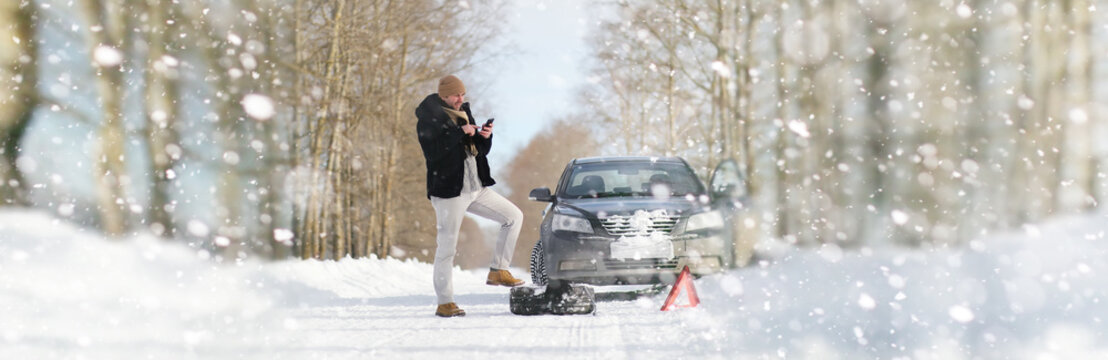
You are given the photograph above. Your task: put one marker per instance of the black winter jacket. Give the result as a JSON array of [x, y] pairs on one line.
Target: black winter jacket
[[444, 150]]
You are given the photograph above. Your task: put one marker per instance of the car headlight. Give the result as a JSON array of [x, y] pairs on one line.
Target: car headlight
[[571, 223], [706, 220]]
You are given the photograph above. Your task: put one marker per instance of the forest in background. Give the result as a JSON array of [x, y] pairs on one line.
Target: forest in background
[[280, 128], [868, 121], [261, 127]]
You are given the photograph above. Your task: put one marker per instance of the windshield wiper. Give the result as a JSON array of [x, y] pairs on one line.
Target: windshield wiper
[[620, 194]]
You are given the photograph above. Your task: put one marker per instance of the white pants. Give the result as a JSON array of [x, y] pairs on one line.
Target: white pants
[[449, 214]]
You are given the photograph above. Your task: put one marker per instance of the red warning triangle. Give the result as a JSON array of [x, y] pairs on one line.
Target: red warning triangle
[[684, 282]]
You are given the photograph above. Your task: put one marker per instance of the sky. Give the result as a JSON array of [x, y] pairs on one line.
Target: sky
[[539, 82]]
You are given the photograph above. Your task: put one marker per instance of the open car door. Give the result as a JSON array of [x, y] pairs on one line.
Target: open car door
[[728, 182]]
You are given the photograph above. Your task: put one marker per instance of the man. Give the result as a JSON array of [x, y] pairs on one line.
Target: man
[[455, 150]]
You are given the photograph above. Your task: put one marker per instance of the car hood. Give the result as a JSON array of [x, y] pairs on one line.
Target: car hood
[[596, 208]]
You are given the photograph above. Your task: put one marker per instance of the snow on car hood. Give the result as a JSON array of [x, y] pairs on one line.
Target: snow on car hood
[[605, 207]]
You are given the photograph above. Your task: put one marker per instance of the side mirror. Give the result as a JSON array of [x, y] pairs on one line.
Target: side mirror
[[541, 194]]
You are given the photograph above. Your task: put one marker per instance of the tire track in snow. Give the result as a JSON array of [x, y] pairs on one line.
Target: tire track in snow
[[392, 321]]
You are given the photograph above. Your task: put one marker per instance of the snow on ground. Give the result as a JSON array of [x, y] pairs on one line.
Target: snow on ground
[[69, 294], [65, 293]]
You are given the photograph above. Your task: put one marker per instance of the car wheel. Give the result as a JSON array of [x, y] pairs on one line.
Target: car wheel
[[538, 265]]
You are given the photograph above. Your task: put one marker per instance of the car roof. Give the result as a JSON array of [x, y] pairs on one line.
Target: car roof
[[605, 159]]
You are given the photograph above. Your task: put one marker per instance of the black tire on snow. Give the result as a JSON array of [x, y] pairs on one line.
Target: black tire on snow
[[575, 299], [524, 301], [538, 265]]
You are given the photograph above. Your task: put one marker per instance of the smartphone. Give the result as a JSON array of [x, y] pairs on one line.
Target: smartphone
[[487, 123]]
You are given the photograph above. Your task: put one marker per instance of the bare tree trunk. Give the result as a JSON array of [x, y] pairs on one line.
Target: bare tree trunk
[[161, 117], [310, 232], [109, 54], [1099, 102], [390, 168], [851, 120], [878, 135], [335, 198], [766, 180], [790, 212], [316, 212], [337, 172], [1076, 185], [359, 168], [321, 192], [18, 79], [998, 84], [300, 241], [277, 158], [671, 106]]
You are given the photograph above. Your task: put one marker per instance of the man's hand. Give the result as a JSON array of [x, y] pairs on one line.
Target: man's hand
[[469, 129], [486, 131]]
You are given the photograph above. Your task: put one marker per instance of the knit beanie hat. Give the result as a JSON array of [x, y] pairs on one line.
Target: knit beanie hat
[[451, 85]]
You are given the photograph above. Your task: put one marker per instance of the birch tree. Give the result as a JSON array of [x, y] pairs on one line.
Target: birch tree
[[108, 40], [926, 123], [161, 115], [364, 66], [18, 77]]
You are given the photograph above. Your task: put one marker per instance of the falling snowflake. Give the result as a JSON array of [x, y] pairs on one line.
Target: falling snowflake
[[1078, 116], [231, 157], [964, 11], [197, 228], [961, 314], [899, 217], [970, 166], [721, 69], [866, 302], [283, 236], [896, 281], [107, 56], [66, 209], [800, 128], [1025, 102], [259, 107]]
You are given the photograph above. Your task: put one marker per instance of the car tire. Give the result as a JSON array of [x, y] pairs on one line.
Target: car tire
[[538, 265]]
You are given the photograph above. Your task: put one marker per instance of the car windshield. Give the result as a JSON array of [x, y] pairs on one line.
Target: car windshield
[[631, 179]]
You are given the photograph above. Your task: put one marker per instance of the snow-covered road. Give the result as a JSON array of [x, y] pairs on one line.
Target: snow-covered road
[[398, 321], [1036, 293]]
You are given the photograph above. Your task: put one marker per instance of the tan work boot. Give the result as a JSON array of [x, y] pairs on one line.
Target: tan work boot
[[502, 277], [449, 310]]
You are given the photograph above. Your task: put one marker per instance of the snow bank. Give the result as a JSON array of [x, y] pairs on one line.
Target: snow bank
[[65, 293], [1038, 293]]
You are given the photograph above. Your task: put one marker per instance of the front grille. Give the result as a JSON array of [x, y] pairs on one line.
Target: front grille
[[629, 264], [633, 225]]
